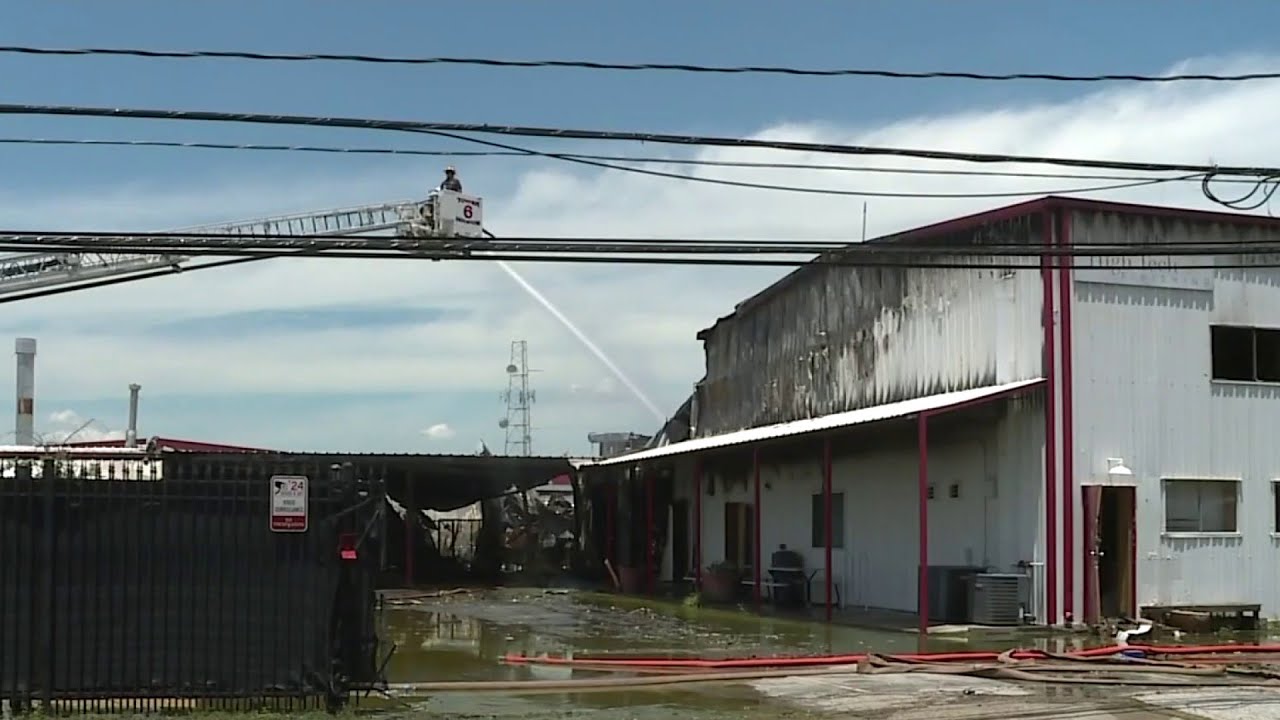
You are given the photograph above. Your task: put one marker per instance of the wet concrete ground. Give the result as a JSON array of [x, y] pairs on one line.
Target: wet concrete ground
[[464, 637]]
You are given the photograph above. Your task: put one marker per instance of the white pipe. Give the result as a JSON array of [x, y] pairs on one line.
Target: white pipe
[[131, 435], [25, 422]]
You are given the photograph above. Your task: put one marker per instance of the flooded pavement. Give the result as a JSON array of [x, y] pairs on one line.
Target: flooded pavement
[[464, 637]]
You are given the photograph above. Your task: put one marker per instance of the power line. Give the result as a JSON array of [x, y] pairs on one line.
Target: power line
[[517, 151], [642, 67], [790, 188], [212, 243], [638, 159], [629, 136], [835, 259]]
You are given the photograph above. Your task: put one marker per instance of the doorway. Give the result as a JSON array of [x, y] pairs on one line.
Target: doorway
[[1110, 547], [680, 540], [739, 534]]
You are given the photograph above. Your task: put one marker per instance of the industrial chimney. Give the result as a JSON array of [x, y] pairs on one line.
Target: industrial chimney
[[25, 425], [131, 435]]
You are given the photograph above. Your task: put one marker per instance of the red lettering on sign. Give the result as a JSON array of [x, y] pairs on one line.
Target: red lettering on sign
[[468, 211]]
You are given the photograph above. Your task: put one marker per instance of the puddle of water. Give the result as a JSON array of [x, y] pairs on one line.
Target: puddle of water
[[465, 637]]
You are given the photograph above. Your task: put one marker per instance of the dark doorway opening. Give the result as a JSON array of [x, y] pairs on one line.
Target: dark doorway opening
[[739, 534], [679, 540], [1110, 552]]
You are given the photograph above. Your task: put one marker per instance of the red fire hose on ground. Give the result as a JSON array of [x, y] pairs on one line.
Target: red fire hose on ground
[[852, 659], [1119, 665]]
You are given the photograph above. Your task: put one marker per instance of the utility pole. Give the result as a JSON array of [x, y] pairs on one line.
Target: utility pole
[[519, 399]]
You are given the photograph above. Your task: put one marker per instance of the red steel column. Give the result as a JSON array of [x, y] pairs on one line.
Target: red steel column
[[651, 570], [922, 481], [697, 523], [826, 509], [1050, 431], [755, 471], [610, 529], [1068, 441]]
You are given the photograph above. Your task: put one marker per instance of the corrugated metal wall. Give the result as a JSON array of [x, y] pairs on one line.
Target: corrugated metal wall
[[996, 521], [831, 338], [1143, 393]]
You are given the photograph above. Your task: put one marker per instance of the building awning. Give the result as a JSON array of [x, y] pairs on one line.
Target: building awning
[[888, 411]]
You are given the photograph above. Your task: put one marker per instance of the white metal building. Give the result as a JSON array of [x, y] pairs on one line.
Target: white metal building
[[1105, 427]]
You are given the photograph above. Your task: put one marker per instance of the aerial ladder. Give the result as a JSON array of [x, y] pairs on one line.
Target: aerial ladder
[[443, 214]]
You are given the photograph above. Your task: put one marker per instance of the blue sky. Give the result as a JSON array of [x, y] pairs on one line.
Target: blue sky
[[365, 356]]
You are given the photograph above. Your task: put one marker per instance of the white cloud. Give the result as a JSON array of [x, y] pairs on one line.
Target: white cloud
[[644, 317], [440, 431], [70, 426]]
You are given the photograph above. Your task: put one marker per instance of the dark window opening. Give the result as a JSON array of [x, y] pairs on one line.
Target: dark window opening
[[1201, 506], [1267, 354], [1245, 354], [1232, 353], [1275, 507], [819, 521]]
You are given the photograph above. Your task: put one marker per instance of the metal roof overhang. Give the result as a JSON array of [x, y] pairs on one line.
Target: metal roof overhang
[[440, 482], [905, 408], [449, 482]]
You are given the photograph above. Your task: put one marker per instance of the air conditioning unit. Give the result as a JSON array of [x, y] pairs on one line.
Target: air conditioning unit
[[949, 595], [997, 598]]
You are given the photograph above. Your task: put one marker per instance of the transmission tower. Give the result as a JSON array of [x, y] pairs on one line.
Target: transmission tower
[[519, 399]]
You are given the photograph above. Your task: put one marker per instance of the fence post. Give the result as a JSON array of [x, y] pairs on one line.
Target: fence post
[[47, 600]]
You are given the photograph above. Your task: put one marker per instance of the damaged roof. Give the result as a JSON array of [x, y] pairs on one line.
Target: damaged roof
[[439, 482], [1010, 212]]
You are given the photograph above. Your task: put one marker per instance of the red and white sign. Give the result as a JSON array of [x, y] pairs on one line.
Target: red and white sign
[[289, 503]]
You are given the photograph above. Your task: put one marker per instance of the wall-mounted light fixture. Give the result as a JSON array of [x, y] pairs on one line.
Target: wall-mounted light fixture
[[1117, 468]]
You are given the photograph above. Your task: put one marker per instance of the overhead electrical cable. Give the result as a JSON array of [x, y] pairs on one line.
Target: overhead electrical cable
[[789, 188], [1209, 172], [835, 259], [827, 258], [641, 67], [193, 243], [627, 136], [637, 159]]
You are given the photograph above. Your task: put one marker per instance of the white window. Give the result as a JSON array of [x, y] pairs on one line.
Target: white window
[[1201, 506]]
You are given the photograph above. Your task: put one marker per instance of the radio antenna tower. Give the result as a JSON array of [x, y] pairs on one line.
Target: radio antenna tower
[[519, 399]]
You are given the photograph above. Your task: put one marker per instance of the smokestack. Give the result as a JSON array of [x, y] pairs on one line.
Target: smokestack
[[25, 425], [131, 435]]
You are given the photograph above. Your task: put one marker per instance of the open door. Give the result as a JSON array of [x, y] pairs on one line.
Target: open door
[[680, 546], [1110, 545], [739, 534]]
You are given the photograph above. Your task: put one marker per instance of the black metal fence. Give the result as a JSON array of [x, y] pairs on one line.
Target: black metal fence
[[149, 584]]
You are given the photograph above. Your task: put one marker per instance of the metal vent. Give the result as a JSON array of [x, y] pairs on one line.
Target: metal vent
[[997, 598]]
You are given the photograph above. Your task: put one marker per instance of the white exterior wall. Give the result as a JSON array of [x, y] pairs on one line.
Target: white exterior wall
[[997, 521], [1142, 392]]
